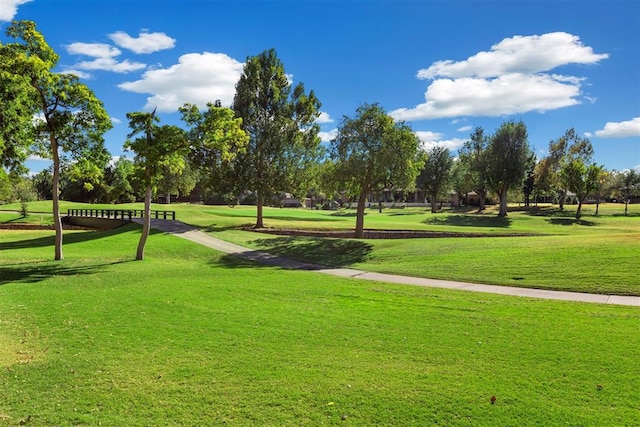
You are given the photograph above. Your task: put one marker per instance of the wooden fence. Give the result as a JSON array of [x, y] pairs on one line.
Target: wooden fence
[[120, 213]]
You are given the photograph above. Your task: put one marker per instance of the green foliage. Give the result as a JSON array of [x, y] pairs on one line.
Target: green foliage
[[507, 158], [435, 177], [583, 180], [473, 157], [216, 138], [562, 151], [160, 150], [280, 122], [71, 119], [371, 153]]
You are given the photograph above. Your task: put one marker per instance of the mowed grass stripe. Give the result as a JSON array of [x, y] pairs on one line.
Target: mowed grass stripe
[[193, 337]]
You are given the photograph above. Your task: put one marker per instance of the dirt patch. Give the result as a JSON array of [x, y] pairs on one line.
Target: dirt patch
[[380, 234]]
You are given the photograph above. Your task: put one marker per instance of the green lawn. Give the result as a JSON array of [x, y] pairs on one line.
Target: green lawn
[[597, 254], [193, 337]]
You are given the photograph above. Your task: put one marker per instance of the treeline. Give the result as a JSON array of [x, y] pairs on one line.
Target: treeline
[[267, 143]]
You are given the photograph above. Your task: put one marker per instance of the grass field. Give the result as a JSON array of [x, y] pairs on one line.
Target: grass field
[[193, 337], [597, 254]]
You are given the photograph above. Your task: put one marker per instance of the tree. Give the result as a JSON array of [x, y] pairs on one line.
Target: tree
[[528, 185], [562, 151], [474, 155], [507, 158], [370, 153], [43, 183], [629, 185], [16, 127], [160, 147], [72, 120], [436, 174], [280, 121], [216, 138], [581, 179], [118, 178]]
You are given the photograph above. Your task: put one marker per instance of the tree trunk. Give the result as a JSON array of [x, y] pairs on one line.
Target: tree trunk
[[579, 210], [146, 224], [503, 202], [434, 201], [597, 206], [562, 199], [57, 221], [482, 196], [259, 214], [362, 200]]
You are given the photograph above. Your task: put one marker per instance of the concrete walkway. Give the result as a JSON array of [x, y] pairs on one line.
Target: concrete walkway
[[187, 232]]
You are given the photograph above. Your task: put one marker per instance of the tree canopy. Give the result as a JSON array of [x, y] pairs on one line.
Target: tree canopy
[[71, 119], [508, 155], [436, 176], [370, 153], [280, 121], [157, 149]]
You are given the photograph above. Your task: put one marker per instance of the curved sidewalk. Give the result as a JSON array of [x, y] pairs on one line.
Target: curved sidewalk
[[190, 233]]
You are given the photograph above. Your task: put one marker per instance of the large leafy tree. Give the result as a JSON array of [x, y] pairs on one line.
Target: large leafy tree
[[582, 179], [562, 151], [216, 138], [16, 128], [508, 155], [72, 119], [436, 174], [157, 149], [474, 155], [370, 153], [280, 121]]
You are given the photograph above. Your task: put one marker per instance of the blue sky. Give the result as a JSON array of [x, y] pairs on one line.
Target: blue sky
[[443, 66]]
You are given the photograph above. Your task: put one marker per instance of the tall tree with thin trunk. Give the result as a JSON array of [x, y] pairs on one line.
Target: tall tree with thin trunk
[[562, 151], [474, 154], [280, 121], [71, 120], [581, 179], [371, 153], [435, 177], [157, 148], [507, 159]]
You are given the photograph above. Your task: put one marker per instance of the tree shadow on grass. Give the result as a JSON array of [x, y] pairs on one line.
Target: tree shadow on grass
[[469, 221], [570, 221], [67, 238], [280, 217], [317, 251], [33, 272]]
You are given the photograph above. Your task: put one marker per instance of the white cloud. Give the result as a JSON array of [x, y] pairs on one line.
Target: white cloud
[[197, 78], [620, 129], [429, 139], [328, 136], [324, 118], [145, 42], [115, 121], [519, 54], [512, 78], [95, 50], [111, 64], [465, 129], [79, 73], [508, 94], [105, 59], [9, 9]]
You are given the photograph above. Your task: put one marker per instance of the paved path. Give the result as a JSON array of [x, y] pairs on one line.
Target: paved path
[[187, 232]]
